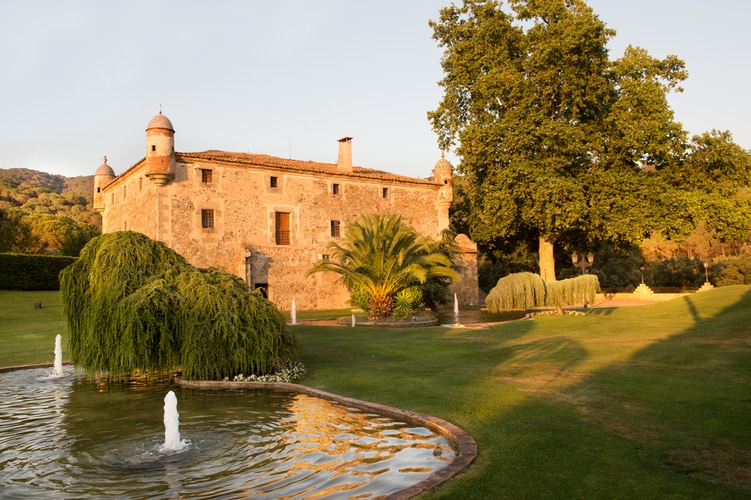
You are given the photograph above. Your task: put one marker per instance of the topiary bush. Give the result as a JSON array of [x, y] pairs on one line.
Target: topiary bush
[[134, 305], [527, 290]]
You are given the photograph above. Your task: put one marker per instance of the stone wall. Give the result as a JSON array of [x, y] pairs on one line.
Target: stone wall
[[244, 200]]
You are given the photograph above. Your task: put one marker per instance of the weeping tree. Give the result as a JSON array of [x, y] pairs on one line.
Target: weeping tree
[[134, 305], [528, 290], [384, 263]]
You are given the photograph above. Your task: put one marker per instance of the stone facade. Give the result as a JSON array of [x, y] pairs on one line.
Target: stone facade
[[267, 219]]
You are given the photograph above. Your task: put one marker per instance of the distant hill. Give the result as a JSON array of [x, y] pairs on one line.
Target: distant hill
[[82, 185], [30, 192]]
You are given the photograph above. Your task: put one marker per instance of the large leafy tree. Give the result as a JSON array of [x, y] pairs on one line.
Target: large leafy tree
[[715, 177], [546, 124], [16, 235], [381, 257]]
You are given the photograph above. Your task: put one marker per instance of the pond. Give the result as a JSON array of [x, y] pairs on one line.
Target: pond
[[71, 437]]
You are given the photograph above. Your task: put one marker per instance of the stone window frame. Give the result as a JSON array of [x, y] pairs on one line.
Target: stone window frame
[[207, 176], [273, 182], [336, 189], [336, 228], [208, 221], [198, 176], [282, 237], [198, 231]]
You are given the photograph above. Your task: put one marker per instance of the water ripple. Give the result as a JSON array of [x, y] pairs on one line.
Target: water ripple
[[73, 438]]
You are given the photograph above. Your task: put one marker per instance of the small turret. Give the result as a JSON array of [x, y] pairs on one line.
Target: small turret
[[160, 150], [443, 173], [102, 178]]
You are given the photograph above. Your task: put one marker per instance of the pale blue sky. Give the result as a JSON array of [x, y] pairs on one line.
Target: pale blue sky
[[81, 79]]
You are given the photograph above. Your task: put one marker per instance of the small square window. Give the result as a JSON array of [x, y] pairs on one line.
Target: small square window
[[207, 175], [324, 256], [336, 227], [385, 193], [273, 182], [207, 219], [335, 189]]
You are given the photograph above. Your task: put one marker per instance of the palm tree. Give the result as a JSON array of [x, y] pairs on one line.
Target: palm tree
[[381, 256]]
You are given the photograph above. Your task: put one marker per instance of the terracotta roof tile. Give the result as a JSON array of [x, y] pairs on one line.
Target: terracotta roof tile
[[266, 161]]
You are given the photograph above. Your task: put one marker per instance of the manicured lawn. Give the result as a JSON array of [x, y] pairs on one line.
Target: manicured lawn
[[634, 402], [27, 335]]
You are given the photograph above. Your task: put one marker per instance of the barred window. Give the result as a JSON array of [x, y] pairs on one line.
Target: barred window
[[273, 181], [385, 193], [207, 219], [335, 189], [336, 228], [207, 175]]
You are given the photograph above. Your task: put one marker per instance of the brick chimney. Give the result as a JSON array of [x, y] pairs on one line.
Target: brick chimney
[[344, 163]]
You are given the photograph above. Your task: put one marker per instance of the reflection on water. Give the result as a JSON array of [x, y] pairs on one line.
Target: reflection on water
[[474, 316], [68, 437]]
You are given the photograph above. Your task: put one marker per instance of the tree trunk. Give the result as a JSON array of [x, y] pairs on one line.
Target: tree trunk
[[547, 262]]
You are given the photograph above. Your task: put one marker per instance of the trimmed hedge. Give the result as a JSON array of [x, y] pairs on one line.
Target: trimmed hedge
[[32, 272]]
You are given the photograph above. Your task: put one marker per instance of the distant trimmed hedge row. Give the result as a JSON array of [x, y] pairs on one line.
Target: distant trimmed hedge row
[[32, 272]]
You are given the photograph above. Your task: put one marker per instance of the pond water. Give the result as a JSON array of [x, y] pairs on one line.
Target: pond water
[[69, 437]]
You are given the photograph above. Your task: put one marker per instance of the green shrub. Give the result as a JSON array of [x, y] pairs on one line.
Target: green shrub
[[527, 290], [406, 300], [679, 272], [732, 271], [132, 304], [516, 291], [32, 272]]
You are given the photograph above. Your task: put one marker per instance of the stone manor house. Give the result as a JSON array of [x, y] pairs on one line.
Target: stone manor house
[[268, 219]]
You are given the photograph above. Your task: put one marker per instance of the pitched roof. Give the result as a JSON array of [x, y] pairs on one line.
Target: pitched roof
[[274, 162]]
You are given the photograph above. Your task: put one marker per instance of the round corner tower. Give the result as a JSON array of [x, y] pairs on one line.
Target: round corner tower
[[160, 150], [443, 174], [103, 176]]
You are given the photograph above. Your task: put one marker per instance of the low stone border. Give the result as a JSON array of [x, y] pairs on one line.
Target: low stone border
[[467, 447], [29, 367]]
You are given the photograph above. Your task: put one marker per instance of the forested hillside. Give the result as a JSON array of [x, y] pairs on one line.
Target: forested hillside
[[46, 213]]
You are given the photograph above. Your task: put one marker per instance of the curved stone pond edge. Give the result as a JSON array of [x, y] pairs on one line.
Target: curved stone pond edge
[[465, 444]]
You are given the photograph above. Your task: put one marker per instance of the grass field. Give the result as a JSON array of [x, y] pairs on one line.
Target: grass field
[[27, 335], [632, 402]]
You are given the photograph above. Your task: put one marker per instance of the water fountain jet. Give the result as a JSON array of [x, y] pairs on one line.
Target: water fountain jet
[[172, 440], [57, 370], [92, 443]]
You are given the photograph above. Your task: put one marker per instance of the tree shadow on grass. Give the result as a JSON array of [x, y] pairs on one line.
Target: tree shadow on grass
[[672, 420], [541, 363], [687, 395]]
